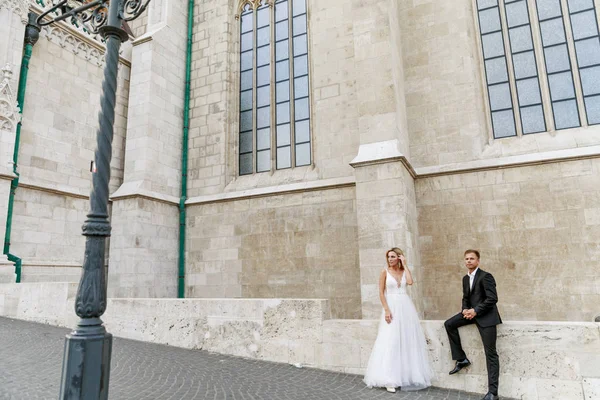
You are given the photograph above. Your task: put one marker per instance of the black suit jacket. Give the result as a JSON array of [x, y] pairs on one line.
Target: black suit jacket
[[482, 298]]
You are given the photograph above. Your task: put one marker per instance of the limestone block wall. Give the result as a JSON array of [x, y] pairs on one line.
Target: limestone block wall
[[537, 228], [352, 92], [444, 97], [213, 57], [13, 17], [144, 241], [143, 249], [386, 214], [372, 61], [356, 98], [47, 227], [60, 118], [333, 42], [7, 270], [296, 245], [538, 360], [58, 139], [444, 88], [155, 108]]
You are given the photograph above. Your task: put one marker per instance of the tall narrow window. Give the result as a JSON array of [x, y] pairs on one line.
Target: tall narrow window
[[282, 90], [246, 90], [529, 57], [525, 69], [494, 58], [263, 89], [558, 64], [274, 89], [584, 27]]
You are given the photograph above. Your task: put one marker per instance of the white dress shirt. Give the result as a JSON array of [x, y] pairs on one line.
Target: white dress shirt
[[472, 278]]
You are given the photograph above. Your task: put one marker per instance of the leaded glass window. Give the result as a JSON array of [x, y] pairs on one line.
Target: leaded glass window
[[274, 124], [525, 42], [494, 58], [584, 28]]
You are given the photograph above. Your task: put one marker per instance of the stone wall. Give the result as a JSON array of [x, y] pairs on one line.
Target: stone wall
[[144, 241], [298, 245], [339, 34], [444, 96], [13, 17], [538, 360], [47, 227], [58, 138], [7, 270], [445, 91], [60, 118], [537, 228], [143, 247], [386, 216]]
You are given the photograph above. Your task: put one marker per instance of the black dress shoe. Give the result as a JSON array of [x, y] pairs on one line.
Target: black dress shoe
[[460, 365], [490, 396]]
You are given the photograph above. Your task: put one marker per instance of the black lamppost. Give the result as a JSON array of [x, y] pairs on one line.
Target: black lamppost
[[86, 362]]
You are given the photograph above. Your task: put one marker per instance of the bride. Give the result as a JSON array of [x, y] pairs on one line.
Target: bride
[[399, 357]]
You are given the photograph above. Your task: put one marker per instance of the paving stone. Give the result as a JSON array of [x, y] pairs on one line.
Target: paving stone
[[31, 359]]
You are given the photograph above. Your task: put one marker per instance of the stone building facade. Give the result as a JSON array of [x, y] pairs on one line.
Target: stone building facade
[[434, 126]]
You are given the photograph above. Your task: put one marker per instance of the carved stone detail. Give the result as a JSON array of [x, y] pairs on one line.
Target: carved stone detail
[[254, 4], [66, 40], [80, 42], [9, 110], [19, 7]]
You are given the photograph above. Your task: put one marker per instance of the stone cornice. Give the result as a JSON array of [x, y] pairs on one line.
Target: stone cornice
[[579, 153], [387, 151], [7, 175], [324, 184], [25, 184], [136, 189], [381, 153], [50, 264]]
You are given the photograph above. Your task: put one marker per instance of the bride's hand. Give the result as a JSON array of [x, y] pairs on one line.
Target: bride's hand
[[403, 260], [388, 317]]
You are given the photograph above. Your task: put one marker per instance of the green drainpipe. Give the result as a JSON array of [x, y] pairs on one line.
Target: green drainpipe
[[184, 153], [32, 34]]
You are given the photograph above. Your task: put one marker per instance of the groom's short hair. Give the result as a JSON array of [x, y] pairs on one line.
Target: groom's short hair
[[472, 251]]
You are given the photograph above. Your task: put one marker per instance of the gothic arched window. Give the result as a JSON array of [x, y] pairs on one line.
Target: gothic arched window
[[274, 124]]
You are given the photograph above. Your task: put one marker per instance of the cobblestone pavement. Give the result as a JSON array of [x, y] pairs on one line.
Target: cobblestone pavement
[[31, 359]]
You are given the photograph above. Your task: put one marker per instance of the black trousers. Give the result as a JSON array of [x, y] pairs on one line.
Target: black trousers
[[488, 337]]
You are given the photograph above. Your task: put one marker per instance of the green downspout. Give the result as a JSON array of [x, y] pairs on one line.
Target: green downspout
[[32, 34], [184, 153]]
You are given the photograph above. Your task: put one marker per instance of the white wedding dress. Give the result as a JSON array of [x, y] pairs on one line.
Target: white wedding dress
[[399, 356]]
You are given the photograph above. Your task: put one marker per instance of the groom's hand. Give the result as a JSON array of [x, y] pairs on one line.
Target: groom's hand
[[469, 314]]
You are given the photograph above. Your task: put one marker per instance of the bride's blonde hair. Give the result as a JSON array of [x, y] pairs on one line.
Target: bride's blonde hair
[[398, 252]]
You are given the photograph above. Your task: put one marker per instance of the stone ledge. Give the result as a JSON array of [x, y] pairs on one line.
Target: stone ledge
[[323, 184], [579, 153], [130, 190], [381, 153], [539, 360], [64, 190]]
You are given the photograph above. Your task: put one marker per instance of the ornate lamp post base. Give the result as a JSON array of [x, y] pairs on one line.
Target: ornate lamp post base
[[86, 366]]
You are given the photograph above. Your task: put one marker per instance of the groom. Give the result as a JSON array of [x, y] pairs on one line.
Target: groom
[[479, 307]]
